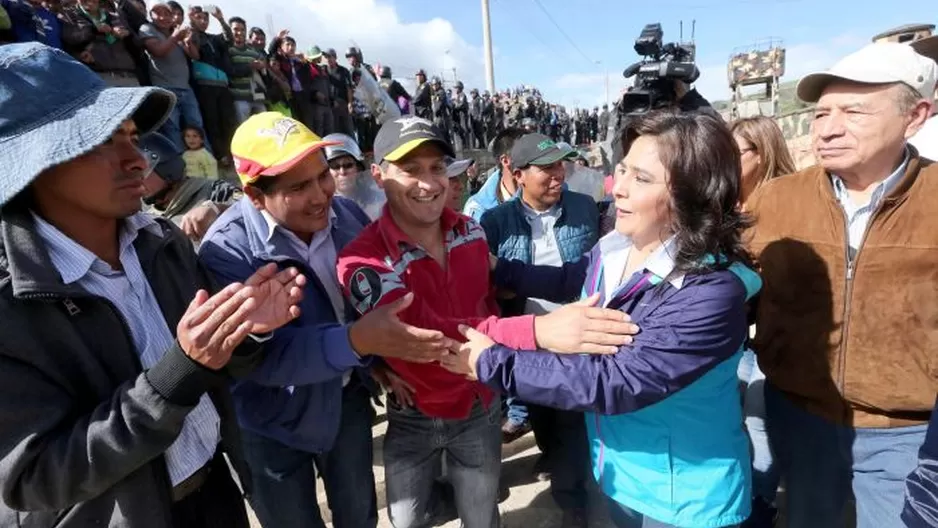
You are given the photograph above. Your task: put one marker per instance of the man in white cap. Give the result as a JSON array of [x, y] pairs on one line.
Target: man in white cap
[[847, 321]]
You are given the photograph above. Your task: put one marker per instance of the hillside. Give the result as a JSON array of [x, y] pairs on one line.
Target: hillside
[[788, 102]]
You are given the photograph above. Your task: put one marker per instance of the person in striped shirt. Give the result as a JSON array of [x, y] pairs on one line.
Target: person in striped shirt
[[246, 83]]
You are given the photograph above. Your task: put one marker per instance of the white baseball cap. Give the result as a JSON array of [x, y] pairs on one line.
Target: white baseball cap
[[878, 63]]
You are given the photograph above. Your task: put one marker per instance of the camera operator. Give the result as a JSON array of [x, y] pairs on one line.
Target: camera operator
[[663, 79], [690, 100]]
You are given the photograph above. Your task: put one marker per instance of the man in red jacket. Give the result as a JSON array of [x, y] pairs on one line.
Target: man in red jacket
[[420, 247]]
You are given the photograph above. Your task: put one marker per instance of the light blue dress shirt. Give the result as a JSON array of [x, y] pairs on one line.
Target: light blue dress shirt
[[858, 215], [129, 291]]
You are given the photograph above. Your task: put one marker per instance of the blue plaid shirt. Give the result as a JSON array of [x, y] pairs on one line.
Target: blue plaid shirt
[[130, 292]]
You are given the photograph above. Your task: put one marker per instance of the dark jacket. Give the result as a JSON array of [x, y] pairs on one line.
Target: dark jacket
[[213, 50], [82, 426], [295, 396], [577, 228], [509, 234], [921, 498], [421, 101], [79, 34]]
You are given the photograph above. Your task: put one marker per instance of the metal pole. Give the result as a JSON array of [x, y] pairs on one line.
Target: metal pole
[[487, 44], [606, 71]]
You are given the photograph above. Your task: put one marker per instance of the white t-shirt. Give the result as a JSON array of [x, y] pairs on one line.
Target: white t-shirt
[[544, 250]]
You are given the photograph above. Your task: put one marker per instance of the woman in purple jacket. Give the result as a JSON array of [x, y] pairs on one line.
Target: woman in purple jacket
[[663, 413]]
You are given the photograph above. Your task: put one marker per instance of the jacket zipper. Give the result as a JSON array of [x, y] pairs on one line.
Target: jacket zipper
[[848, 291], [55, 297]]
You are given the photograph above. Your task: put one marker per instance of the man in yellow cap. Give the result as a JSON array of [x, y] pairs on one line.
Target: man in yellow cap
[[307, 406]]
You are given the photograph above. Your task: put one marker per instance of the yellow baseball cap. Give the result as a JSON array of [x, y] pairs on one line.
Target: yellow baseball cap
[[270, 143]]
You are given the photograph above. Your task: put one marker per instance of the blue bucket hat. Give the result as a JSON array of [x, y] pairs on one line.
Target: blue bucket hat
[[54, 109]]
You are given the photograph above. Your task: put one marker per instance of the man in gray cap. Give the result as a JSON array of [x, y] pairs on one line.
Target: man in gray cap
[[114, 358], [847, 320]]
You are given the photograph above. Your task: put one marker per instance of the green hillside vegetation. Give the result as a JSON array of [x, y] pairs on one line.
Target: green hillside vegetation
[[788, 102]]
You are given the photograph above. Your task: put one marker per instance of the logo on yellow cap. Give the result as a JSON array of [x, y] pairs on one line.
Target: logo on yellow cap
[[280, 130]]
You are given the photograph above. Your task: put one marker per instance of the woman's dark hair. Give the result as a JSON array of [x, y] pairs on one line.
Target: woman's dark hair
[[701, 156]]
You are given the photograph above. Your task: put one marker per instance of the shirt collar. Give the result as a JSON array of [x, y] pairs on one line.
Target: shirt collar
[[71, 259], [881, 190], [396, 240], [531, 213], [272, 224], [615, 248]]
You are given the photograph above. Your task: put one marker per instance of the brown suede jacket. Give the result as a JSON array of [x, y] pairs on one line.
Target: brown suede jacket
[[857, 347]]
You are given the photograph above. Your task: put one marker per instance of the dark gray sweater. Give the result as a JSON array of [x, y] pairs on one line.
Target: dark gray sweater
[[82, 427]]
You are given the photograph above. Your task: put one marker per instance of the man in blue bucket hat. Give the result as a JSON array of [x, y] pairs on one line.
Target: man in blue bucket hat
[[114, 356]]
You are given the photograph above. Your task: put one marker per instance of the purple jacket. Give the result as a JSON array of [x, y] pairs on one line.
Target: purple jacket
[[691, 330]]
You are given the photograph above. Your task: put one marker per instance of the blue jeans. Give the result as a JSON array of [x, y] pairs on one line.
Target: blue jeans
[[517, 411], [285, 478], [625, 517], [185, 114], [765, 477], [822, 463], [413, 447], [245, 109]]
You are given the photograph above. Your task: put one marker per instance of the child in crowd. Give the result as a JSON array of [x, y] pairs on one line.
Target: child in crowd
[[199, 162]]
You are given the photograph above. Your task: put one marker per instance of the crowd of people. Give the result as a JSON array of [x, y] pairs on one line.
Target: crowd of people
[[711, 325], [222, 79]]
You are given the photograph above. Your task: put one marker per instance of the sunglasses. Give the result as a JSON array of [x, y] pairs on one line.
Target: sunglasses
[[348, 165]]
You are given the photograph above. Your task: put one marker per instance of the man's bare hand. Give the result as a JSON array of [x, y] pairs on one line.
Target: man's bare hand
[[584, 328], [213, 327], [464, 358], [181, 33], [382, 333], [196, 222], [276, 295], [396, 387]]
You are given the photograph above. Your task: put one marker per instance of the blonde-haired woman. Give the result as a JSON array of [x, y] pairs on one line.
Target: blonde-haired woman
[[762, 151], [763, 155]]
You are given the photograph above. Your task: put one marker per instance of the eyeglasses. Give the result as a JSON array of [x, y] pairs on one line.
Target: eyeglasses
[[342, 166]]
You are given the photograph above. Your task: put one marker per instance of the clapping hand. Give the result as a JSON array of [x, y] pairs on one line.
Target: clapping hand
[[276, 295], [213, 326]]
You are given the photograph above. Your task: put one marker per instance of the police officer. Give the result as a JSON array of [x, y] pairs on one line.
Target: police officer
[[477, 129], [394, 89], [604, 123], [421, 100], [441, 108], [461, 130]]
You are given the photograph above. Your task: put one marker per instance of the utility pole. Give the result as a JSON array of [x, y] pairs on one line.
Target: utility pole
[[487, 44]]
